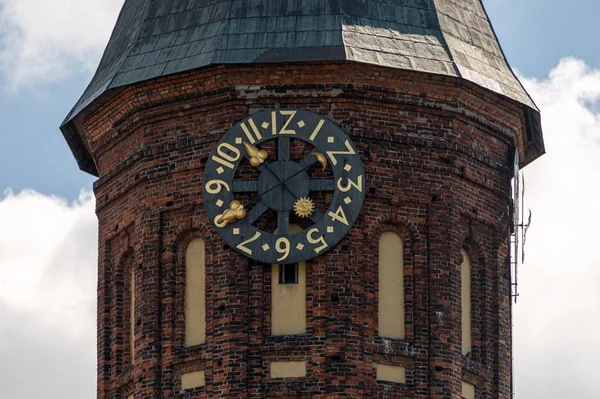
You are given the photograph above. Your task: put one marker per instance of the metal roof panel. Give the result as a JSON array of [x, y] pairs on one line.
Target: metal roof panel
[[154, 38]]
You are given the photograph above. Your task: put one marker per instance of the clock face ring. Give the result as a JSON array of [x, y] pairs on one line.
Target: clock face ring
[[257, 183]]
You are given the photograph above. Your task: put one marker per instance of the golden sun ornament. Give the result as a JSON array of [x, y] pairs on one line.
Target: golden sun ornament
[[304, 207]]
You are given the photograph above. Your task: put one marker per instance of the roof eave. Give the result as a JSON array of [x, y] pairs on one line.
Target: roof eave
[[534, 145], [82, 155], [533, 142]]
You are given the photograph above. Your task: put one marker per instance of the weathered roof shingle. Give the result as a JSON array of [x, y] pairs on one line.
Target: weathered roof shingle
[[154, 38]]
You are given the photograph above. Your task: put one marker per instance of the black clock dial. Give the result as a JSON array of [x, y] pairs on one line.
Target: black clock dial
[[255, 173]]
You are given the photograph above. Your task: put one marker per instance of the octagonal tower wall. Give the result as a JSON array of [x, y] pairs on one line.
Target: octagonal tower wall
[[438, 155]]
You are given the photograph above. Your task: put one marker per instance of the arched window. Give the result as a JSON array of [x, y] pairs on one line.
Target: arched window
[[465, 283], [391, 286], [288, 297], [123, 314], [195, 293]]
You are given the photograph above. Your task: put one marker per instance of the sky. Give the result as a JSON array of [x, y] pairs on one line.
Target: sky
[[48, 230]]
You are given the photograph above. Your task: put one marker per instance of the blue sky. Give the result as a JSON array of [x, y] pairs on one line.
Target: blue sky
[[33, 153], [536, 34], [48, 53]]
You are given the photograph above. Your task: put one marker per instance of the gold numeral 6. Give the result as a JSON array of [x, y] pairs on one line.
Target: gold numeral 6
[[283, 247], [215, 186]]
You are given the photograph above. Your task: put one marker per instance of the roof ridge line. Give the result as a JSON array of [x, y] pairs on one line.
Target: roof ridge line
[[445, 43], [224, 24], [344, 44], [504, 55], [431, 36], [129, 48]]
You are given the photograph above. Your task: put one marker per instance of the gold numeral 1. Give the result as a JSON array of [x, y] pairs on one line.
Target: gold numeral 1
[[317, 130], [242, 246], [312, 240]]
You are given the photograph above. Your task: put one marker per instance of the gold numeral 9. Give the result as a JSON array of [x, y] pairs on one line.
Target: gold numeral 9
[[215, 186], [320, 240], [283, 247]]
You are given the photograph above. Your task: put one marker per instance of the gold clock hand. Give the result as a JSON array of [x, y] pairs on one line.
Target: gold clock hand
[[235, 212], [257, 156], [319, 158]]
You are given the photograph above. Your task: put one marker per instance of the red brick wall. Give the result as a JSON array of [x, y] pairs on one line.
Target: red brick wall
[[436, 152]]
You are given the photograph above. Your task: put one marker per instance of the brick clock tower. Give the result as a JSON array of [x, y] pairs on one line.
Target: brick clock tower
[[304, 199]]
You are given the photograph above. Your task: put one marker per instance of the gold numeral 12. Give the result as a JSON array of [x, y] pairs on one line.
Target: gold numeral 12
[[284, 129]]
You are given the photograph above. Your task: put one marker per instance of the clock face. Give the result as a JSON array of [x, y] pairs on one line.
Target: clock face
[[284, 186]]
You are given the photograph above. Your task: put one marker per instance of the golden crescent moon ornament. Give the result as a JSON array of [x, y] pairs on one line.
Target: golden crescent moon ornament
[[322, 160]]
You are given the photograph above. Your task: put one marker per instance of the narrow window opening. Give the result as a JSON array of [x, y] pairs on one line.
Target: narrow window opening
[[468, 391], [391, 286], [288, 274], [465, 270], [132, 313], [195, 292]]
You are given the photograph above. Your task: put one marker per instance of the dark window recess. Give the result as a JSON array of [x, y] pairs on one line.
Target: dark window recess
[[288, 274]]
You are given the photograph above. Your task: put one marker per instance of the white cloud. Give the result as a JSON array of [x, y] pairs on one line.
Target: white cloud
[[43, 41], [557, 319], [47, 296]]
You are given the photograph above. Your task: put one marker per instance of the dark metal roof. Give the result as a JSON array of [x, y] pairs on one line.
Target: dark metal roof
[[155, 38]]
